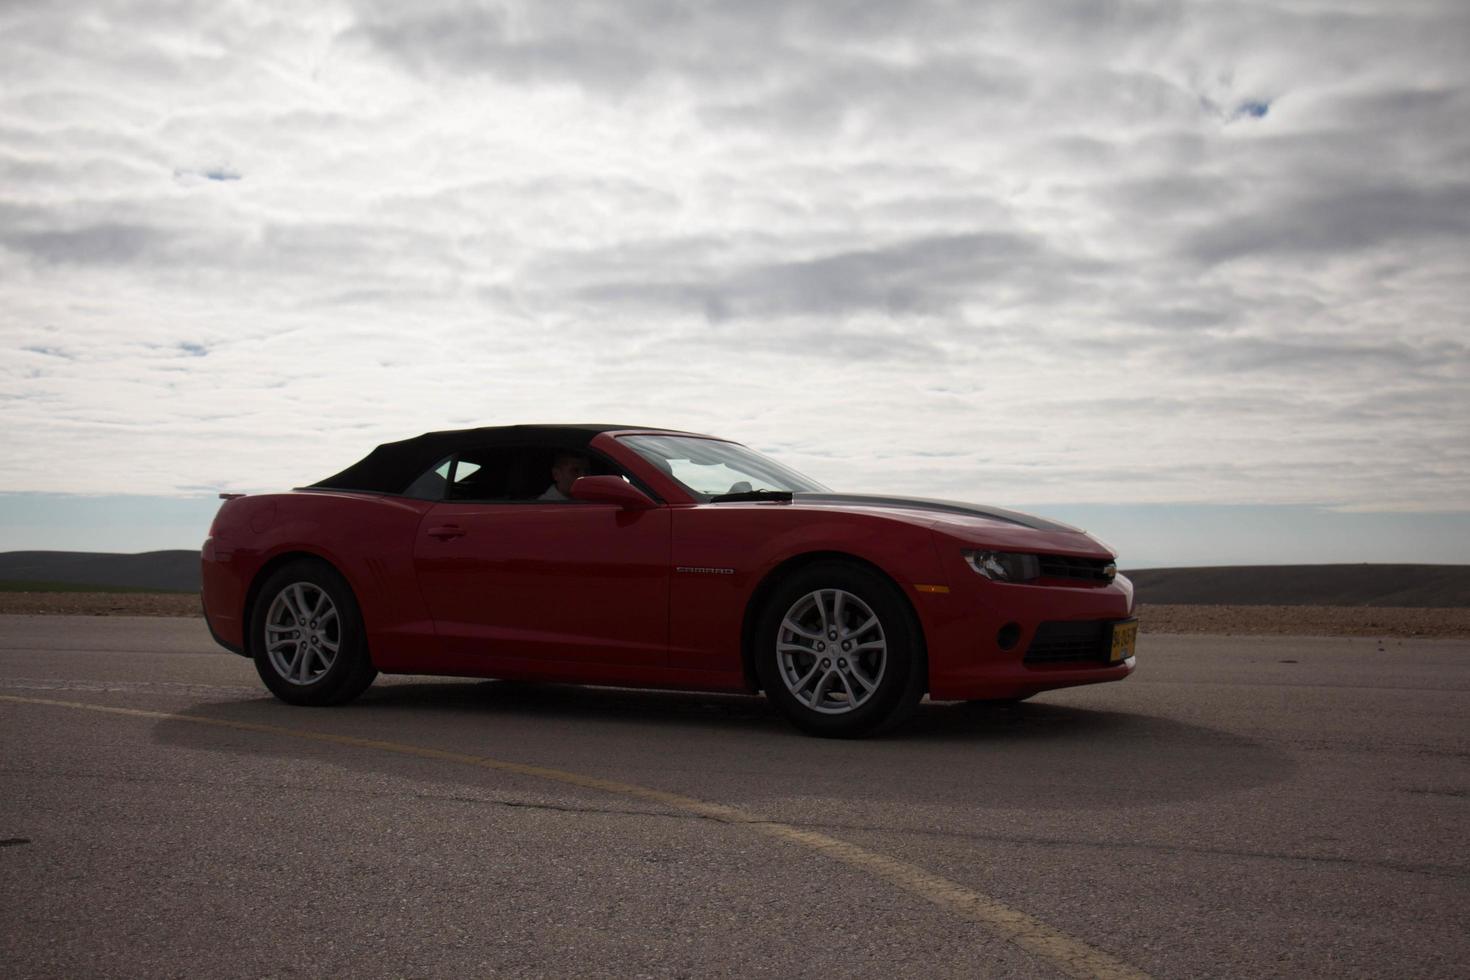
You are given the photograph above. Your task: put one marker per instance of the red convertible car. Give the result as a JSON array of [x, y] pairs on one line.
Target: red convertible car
[[604, 554]]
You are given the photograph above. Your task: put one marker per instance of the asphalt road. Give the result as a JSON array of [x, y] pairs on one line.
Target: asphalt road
[[1239, 807]]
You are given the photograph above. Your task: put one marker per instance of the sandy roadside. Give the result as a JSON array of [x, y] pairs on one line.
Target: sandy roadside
[[1220, 620], [1384, 621], [101, 604]]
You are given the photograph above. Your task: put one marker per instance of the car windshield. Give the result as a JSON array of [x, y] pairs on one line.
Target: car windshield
[[710, 468]]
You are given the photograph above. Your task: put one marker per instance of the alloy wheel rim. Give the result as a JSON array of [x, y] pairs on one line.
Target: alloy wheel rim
[[831, 651], [303, 633]]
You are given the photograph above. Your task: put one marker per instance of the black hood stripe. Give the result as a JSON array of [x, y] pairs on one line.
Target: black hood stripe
[[943, 506]]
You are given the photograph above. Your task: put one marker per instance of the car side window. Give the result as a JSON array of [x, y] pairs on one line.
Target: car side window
[[453, 478], [430, 485], [502, 474], [477, 476], [512, 474]]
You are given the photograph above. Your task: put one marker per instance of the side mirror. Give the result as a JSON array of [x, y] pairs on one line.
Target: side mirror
[[610, 490]]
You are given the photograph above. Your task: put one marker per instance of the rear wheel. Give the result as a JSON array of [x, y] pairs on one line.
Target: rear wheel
[[838, 651], [307, 638]]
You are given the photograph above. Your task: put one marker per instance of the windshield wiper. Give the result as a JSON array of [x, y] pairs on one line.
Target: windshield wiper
[[781, 495]]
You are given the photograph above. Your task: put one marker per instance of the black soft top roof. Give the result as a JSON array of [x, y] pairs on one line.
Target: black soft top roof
[[394, 465]]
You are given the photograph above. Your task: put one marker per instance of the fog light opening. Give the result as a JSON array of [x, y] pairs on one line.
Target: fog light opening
[[1008, 636]]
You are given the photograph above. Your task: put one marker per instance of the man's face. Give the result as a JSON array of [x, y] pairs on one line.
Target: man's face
[[567, 470]]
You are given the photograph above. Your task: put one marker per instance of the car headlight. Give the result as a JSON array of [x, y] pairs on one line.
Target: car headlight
[[1004, 566]]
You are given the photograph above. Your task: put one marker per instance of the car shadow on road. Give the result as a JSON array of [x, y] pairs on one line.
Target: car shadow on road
[[1030, 754]]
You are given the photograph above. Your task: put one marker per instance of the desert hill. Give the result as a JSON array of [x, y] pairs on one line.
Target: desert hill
[[1418, 586], [164, 571], [1421, 586]]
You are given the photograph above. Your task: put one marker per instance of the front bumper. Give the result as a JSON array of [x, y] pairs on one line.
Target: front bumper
[[978, 634]]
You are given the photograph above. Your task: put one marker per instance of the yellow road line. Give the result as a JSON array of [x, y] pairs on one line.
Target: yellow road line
[[1069, 954]]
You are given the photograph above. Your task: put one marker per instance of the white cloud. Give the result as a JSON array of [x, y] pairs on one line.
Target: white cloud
[[1026, 253]]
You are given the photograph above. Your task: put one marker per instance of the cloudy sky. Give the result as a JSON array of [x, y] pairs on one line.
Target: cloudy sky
[[1157, 264]]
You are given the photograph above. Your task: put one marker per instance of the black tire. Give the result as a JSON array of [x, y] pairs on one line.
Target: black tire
[[289, 678], [896, 688]]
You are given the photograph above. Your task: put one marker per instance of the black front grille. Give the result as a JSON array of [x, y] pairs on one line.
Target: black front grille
[[1078, 569], [1089, 641]]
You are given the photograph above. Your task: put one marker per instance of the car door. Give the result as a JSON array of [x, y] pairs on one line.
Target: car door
[[517, 578]]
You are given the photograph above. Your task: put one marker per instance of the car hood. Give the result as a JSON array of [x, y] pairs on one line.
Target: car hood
[[973, 523]]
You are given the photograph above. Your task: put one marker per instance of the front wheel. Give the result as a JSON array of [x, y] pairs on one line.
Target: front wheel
[[307, 638], [838, 651]]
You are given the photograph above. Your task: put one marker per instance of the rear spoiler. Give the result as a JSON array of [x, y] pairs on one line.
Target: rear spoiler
[[231, 496]]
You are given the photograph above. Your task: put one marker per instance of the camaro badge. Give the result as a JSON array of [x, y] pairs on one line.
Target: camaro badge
[[701, 570]]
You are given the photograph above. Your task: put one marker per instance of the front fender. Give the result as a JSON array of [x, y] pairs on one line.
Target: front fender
[[725, 557]]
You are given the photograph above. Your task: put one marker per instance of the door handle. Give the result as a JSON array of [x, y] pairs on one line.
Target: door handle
[[446, 531]]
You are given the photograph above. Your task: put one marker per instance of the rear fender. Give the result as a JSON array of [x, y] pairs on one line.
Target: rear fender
[[367, 538]]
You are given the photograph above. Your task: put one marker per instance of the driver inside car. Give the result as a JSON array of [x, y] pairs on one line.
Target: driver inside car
[[566, 469]]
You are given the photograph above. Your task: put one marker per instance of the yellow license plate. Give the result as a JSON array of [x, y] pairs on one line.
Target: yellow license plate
[[1125, 640]]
